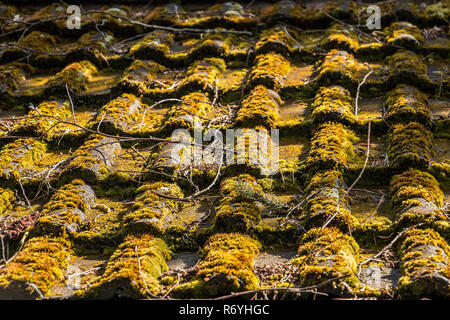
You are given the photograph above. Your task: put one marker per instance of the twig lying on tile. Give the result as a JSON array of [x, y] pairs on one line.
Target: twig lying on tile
[[386, 248], [359, 88]]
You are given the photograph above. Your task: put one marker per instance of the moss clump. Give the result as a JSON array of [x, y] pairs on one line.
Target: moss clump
[[93, 160], [42, 262], [150, 212], [156, 45], [270, 70], [417, 198], [225, 267], [276, 40], [406, 103], [333, 104], [259, 108], [237, 210], [406, 35], [406, 67], [425, 265], [341, 39], [11, 75], [409, 146], [165, 15], [119, 115], [43, 120], [326, 254], [341, 68], [202, 75], [20, 156], [67, 209], [325, 198], [7, 197], [194, 106], [133, 269], [139, 77], [76, 76], [39, 41], [371, 51], [332, 147]]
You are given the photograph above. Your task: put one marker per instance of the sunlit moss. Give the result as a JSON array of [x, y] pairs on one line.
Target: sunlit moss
[[409, 146], [326, 254], [259, 108], [225, 267], [133, 269], [41, 262], [425, 265]]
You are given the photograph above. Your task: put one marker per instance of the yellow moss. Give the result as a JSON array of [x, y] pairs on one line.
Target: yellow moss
[[7, 197], [415, 184], [404, 34], [41, 262], [118, 116], [66, 209], [193, 105], [332, 147], [76, 75], [325, 254], [406, 103], [157, 42], [18, 156], [333, 104], [43, 120], [225, 266], [270, 70], [149, 205], [259, 108], [424, 262], [409, 146], [133, 269], [340, 67]]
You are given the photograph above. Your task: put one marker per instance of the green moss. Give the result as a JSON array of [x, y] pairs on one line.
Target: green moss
[[156, 45], [259, 108], [193, 105], [7, 197], [417, 198], [276, 40], [406, 103], [20, 156], [424, 264], [93, 160], [326, 254], [333, 104], [76, 75], [42, 262], [67, 209], [133, 269], [409, 146], [332, 147], [139, 77], [341, 68], [150, 211], [340, 38], [43, 121], [120, 115], [406, 35], [324, 198], [225, 267], [406, 67], [270, 70]]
